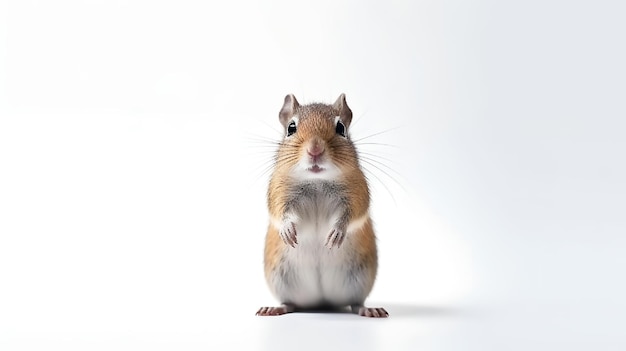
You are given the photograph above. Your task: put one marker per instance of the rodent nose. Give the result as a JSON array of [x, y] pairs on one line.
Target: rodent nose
[[316, 148]]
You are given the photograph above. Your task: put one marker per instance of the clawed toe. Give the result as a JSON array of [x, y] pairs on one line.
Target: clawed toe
[[288, 234], [373, 312], [272, 311], [335, 238]]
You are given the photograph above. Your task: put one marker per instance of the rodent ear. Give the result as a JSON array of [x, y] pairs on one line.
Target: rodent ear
[[344, 110], [288, 110]]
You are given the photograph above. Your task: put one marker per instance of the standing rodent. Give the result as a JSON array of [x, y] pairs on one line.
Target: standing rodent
[[320, 248]]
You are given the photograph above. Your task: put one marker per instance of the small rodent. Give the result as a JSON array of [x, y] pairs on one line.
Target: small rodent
[[320, 247]]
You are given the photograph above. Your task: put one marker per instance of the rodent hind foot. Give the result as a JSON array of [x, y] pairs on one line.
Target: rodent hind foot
[[375, 312], [275, 311]]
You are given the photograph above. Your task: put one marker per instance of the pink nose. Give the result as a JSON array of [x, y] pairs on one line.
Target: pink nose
[[315, 152], [315, 149]]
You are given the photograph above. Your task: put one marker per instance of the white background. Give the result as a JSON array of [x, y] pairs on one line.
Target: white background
[[135, 138]]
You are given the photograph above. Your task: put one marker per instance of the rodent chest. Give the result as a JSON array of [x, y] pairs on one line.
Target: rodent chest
[[318, 202]]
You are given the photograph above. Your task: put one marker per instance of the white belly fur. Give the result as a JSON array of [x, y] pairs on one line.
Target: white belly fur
[[311, 274]]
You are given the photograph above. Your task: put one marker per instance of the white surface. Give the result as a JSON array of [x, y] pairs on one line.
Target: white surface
[[132, 209]]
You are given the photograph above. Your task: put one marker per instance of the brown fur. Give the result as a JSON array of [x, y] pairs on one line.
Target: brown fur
[[316, 125], [273, 249], [366, 250], [316, 120]]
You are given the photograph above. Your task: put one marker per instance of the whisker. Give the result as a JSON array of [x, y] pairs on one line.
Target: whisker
[[378, 144], [250, 135], [375, 134], [261, 172], [266, 164], [367, 153], [382, 183], [266, 171], [273, 127], [263, 153], [382, 164], [356, 120], [266, 148], [262, 140], [383, 172]]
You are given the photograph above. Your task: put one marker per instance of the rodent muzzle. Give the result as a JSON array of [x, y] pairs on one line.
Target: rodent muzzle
[[315, 149]]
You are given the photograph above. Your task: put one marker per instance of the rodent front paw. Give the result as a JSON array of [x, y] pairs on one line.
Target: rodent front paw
[[288, 233], [335, 237]]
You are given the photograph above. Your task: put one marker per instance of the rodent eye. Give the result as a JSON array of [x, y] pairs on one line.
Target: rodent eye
[[291, 128], [340, 129]]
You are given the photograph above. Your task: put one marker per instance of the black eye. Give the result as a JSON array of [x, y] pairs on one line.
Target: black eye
[[291, 128], [340, 129]]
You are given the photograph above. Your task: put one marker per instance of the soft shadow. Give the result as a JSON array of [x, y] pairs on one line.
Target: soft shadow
[[324, 310], [396, 310], [422, 311]]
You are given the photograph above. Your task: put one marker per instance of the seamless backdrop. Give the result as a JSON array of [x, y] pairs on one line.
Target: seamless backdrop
[[136, 136]]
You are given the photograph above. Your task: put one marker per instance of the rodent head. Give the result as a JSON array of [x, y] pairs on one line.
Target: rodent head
[[316, 142]]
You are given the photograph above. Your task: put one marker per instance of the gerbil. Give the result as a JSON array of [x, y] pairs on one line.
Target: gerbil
[[320, 247]]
